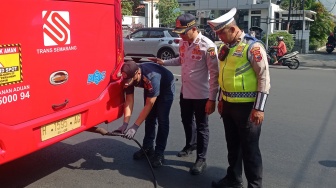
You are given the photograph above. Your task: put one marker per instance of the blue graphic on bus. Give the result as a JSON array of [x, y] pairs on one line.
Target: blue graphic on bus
[[96, 77]]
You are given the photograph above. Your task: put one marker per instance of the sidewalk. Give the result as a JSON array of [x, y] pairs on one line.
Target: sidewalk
[[319, 58]]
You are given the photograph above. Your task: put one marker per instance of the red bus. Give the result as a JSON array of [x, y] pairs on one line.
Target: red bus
[[60, 66]]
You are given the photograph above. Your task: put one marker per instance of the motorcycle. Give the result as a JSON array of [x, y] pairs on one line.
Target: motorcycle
[[330, 47], [290, 59]]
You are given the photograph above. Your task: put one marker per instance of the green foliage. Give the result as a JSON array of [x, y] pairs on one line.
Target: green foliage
[[168, 11], [323, 24], [132, 7], [314, 44], [297, 4], [126, 7], [288, 39], [308, 4]]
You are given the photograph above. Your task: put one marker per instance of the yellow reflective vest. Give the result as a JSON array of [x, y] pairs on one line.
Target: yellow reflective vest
[[237, 78]]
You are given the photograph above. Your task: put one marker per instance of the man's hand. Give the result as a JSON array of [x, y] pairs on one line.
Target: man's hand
[[121, 129], [210, 107], [220, 107], [131, 131], [156, 60], [257, 117]]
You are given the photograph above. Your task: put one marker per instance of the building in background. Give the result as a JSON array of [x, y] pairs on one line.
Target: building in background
[[147, 20], [269, 17], [150, 13]]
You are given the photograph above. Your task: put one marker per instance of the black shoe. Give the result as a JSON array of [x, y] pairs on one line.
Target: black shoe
[[198, 167], [157, 160], [140, 154], [187, 150], [226, 183]]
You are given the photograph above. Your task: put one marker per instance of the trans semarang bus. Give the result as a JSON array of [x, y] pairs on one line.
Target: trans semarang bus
[[59, 71]]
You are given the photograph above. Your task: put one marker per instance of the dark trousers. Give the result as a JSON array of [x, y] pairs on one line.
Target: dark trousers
[[242, 137], [190, 109], [159, 114]]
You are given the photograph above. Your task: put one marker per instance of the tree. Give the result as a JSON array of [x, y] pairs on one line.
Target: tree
[[132, 7], [297, 4], [168, 11], [322, 25], [308, 4], [126, 7]]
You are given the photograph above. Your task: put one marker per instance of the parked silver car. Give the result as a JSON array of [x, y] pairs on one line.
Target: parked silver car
[[152, 42]]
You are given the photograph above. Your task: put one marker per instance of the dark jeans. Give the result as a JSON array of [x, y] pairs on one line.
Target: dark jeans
[[159, 113], [242, 138], [190, 109]]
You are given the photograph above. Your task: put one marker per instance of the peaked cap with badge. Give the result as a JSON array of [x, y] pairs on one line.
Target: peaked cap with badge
[[184, 22], [222, 21]]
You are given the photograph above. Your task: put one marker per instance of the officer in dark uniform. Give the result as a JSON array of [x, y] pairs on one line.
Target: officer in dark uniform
[[159, 87]]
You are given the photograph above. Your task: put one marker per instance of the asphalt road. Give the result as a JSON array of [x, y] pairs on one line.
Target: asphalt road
[[297, 142]]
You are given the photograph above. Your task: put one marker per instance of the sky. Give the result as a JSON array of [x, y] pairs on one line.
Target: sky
[[330, 5]]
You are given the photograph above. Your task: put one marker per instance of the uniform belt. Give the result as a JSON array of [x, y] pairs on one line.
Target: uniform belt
[[240, 94]]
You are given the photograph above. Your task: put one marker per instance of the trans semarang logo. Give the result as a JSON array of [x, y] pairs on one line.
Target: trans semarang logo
[[56, 28]]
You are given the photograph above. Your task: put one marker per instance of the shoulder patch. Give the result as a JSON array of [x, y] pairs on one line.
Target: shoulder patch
[[211, 49], [212, 52], [255, 51], [147, 84], [257, 48]]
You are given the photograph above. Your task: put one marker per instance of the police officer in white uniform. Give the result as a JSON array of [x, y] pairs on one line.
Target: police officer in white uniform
[[198, 59], [244, 81]]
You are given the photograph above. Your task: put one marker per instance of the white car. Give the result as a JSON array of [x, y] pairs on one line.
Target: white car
[[152, 42]]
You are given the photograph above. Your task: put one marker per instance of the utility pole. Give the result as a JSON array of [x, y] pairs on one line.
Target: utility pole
[[152, 12], [289, 14], [303, 20], [268, 22]]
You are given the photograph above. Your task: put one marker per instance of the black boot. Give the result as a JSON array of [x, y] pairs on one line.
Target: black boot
[[187, 150], [140, 154], [226, 183]]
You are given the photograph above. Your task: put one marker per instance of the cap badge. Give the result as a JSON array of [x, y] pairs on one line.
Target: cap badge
[[191, 23]]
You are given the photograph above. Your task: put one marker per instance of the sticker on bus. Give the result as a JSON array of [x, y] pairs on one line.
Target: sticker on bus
[[10, 64]]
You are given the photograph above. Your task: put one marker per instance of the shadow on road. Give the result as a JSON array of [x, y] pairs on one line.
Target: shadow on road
[[328, 163], [97, 154]]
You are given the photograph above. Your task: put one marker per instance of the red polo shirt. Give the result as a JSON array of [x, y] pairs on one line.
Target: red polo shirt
[[282, 50]]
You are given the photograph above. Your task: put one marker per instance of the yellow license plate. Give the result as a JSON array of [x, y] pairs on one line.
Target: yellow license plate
[[60, 127]]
